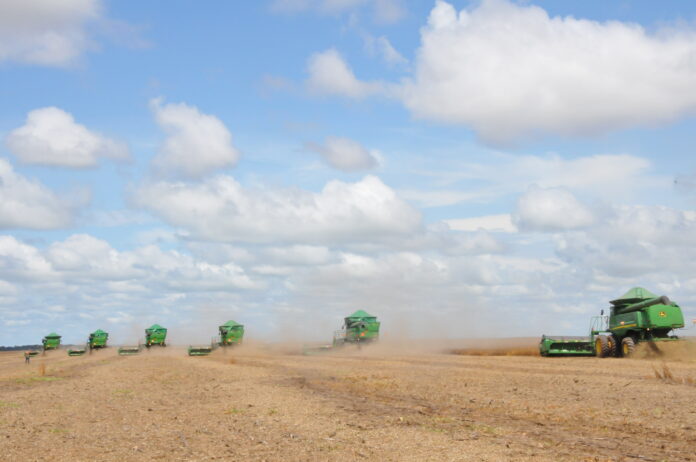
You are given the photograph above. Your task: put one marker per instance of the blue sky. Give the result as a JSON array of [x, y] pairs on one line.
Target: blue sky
[[298, 159]]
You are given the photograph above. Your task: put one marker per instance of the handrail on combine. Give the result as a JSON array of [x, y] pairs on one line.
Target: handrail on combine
[[599, 324]]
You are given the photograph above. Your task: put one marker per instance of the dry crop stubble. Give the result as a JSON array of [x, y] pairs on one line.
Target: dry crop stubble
[[262, 404]]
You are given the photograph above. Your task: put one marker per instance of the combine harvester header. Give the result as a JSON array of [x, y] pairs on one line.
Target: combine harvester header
[[76, 351], [637, 316], [200, 350], [129, 350]]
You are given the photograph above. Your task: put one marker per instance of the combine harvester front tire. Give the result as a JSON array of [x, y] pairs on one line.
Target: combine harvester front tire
[[605, 346]]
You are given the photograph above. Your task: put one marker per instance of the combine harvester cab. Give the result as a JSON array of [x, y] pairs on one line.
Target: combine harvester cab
[[231, 334], [97, 340], [155, 335], [51, 342], [636, 317]]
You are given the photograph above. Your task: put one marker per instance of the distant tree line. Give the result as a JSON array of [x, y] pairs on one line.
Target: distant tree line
[[20, 347]]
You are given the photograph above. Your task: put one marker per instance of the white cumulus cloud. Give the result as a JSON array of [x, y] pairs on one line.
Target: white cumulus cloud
[[51, 137], [346, 154], [329, 74], [383, 47], [29, 204], [46, 32], [196, 144], [498, 223], [383, 11], [552, 209], [221, 209], [498, 174], [654, 244], [510, 71]]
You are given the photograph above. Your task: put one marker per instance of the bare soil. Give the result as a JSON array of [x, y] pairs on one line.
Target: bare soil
[[370, 404]]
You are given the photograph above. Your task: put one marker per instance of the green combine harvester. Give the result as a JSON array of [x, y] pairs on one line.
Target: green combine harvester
[[51, 342], [231, 334], [155, 335], [97, 339], [129, 350], [639, 316], [359, 327]]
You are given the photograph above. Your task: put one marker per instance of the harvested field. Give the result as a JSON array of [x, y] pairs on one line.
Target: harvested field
[[373, 404]]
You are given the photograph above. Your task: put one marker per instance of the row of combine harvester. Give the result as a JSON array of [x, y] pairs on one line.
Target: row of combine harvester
[[95, 341], [637, 317], [231, 333], [358, 328]]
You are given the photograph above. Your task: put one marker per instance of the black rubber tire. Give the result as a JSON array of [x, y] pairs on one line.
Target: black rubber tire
[[628, 347], [605, 346], [613, 345]]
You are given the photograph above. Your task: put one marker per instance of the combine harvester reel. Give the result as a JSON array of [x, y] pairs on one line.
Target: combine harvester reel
[[638, 316], [565, 346], [199, 350]]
